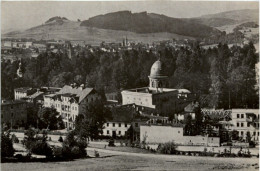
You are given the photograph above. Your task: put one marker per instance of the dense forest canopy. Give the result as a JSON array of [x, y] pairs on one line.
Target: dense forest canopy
[[221, 77]]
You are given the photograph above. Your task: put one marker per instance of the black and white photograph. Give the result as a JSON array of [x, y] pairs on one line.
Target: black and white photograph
[[129, 85]]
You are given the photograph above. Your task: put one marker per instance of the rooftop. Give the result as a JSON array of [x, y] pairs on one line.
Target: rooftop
[[78, 91]]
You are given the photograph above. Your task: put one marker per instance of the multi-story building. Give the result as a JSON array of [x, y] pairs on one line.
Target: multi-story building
[[13, 113], [70, 101], [246, 120], [156, 95], [22, 92]]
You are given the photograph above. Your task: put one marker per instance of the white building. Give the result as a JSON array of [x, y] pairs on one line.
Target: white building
[[246, 120], [22, 92], [155, 134], [156, 95], [70, 102]]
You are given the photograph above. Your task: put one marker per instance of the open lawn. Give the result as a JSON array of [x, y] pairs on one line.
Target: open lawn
[[114, 160]]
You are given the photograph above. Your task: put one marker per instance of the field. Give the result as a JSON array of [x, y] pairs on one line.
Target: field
[[112, 160], [128, 158], [72, 30]]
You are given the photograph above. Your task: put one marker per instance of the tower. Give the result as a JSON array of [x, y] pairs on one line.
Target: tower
[[19, 71], [157, 79]]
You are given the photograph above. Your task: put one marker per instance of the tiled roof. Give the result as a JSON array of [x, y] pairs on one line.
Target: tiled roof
[[81, 93], [122, 114], [23, 89], [35, 95]]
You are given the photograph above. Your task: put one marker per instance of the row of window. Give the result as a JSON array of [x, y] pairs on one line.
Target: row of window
[[248, 124], [254, 133], [119, 124], [119, 132]]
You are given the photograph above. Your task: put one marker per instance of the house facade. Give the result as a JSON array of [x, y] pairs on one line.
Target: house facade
[[22, 92], [70, 101], [246, 120]]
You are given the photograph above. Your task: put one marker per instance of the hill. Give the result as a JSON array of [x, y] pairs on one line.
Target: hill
[[71, 30], [148, 23], [239, 16]]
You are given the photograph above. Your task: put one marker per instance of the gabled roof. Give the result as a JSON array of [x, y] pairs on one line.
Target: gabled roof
[[122, 114], [35, 95], [78, 91]]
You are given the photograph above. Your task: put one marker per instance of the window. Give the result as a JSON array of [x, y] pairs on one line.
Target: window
[[119, 132], [136, 124], [242, 124], [248, 124], [107, 131], [75, 108], [2, 115], [178, 131], [107, 124], [114, 124], [237, 124], [254, 133], [125, 125], [237, 115], [242, 133], [242, 115], [119, 125], [12, 114], [257, 133]]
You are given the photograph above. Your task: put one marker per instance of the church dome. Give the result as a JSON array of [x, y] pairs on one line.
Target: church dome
[[157, 69]]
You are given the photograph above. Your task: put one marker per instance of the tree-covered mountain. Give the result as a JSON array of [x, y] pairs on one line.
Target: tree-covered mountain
[[149, 23]]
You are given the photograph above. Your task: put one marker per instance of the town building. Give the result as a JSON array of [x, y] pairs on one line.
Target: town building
[[22, 92], [246, 120], [120, 122], [14, 113], [156, 95], [70, 101], [156, 134]]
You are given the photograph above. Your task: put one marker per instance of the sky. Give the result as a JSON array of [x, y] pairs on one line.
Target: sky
[[22, 15]]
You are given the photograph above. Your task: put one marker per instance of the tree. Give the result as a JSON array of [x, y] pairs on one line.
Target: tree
[[188, 125], [50, 118], [90, 122], [7, 149]]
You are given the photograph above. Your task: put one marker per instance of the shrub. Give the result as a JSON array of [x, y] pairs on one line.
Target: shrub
[[57, 152], [7, 149], [41, 148], [15, 139], [60, 139], [73, 147], [111, 143], [167, 148]]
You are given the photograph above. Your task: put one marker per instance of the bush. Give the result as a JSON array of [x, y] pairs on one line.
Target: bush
[[60, 139], [111, 143], [7, 149], [167, 148], [41, 148], [73, 147], [15, 139], [57, 152]]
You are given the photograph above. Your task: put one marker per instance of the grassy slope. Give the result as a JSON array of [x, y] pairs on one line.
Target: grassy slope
[[72, 30]]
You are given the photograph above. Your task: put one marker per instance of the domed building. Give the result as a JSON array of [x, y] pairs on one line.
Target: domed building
[[157, 95], [157, 78]]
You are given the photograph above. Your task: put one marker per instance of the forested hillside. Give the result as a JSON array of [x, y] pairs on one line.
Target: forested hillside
[[212, 74]]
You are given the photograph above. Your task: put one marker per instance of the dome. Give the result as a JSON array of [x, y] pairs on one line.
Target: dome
[[157, 69]]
